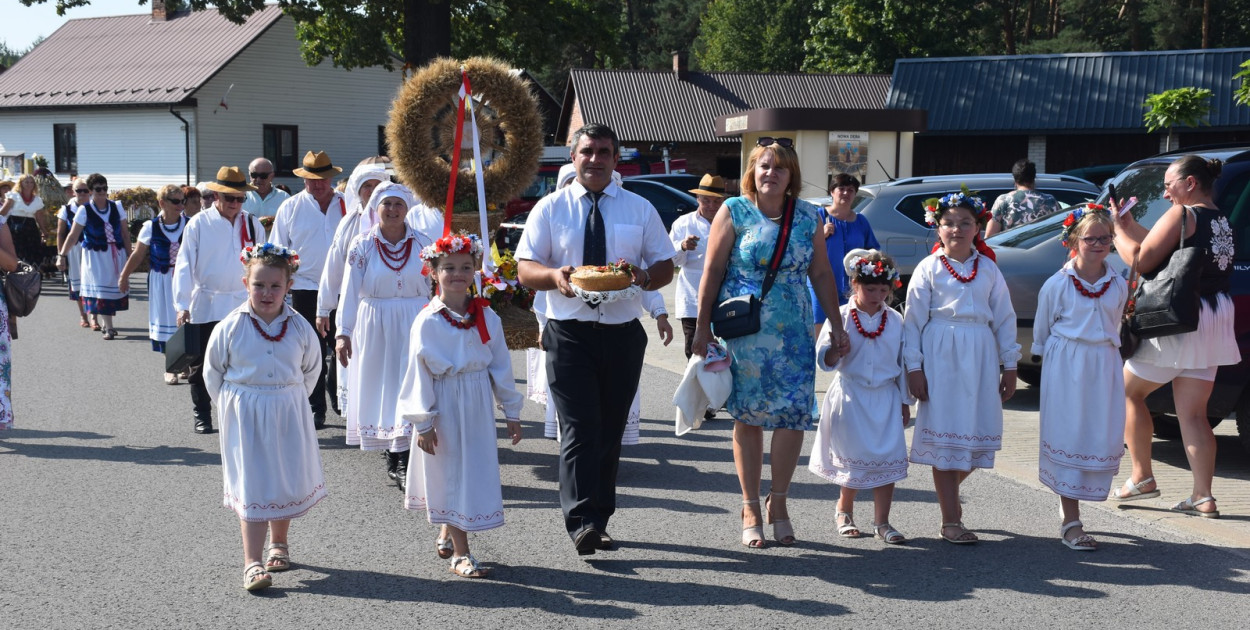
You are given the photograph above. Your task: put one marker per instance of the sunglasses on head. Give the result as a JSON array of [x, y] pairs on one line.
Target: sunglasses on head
[[767, 141], [232, 198], [261, 175], [101, 189]]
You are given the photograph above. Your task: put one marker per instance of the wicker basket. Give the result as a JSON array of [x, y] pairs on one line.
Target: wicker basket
[[520, 328]]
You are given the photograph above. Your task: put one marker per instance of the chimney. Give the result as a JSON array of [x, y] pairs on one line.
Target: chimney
[[158, 11], [680, 65]]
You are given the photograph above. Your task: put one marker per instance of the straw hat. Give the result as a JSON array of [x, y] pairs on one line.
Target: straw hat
[[710, 186], [317, 166], [229, 180]]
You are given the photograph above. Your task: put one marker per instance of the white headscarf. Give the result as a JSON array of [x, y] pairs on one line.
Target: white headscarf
[[360, 175], [369, 217]]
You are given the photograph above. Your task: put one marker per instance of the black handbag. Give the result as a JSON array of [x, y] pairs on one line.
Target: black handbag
[[185, 348], [739, 316], [1167, 300], [22, 287]]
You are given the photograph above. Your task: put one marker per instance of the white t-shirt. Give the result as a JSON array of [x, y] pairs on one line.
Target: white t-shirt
[[21, 208]]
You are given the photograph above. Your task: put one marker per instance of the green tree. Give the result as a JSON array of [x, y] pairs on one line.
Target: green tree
[[1187, 107], [1241, 95], [869, 35], [753, 35]]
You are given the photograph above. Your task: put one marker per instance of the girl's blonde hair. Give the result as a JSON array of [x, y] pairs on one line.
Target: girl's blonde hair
[[270, 255], [1082, 219]]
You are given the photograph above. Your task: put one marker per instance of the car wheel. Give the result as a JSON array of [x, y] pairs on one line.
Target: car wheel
[[1167, 428]]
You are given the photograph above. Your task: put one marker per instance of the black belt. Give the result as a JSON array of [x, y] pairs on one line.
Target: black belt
[[596, 324]]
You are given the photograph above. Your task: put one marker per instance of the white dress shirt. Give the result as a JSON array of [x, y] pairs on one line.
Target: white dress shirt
[[301, 225], [265, 206], [428, 222], [554, 236], [691, 262], [332, 273], [208, 275], [1063, 311]]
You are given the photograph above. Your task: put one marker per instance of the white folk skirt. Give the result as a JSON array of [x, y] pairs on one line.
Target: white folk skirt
[[73, 271], [860, 442], [960, 427], [459, 484], [270, 460], [162, 318], [380, 355], [1081, 418]]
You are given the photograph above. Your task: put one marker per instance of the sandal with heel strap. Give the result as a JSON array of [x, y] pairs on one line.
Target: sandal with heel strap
[[1134, 491], [255, 577], [753, 536], [466, 566], [443, 547], [1190, 507], [1084, 542], [783, 530], [888, 534], [277, 557], [846, 528], [959, 538]]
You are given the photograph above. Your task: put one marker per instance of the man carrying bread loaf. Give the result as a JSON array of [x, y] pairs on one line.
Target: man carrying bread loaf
[[594, 350]]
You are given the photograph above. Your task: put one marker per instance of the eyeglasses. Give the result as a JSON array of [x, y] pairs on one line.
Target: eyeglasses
[[1097, 240], [232, 198], [964, 225], [261, 175], [82, 191], [176, 202], [767, 141], [101, 189]]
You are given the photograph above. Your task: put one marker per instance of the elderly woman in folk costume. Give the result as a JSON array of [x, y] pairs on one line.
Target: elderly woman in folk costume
[[158, 241], [104, 253], [364, 178], [383, 290], [64, 221]]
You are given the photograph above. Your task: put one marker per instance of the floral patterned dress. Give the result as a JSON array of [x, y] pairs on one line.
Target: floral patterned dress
[[6, 362], [773, 372]]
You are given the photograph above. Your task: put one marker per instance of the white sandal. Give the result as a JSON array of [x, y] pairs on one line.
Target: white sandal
[[1084, 542], [890, 536], [1135, 491], [466, 566]]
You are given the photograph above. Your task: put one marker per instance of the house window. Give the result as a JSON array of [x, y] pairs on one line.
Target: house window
[[382, 148], [282, 147], [65, 139]]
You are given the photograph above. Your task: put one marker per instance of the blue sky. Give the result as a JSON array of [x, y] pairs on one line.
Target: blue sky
[[23, 24]]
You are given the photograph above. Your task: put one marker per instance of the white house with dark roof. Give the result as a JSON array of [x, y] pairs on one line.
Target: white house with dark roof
[[160, 98]]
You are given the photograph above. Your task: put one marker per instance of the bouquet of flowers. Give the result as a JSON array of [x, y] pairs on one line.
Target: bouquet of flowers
[[502, 287]]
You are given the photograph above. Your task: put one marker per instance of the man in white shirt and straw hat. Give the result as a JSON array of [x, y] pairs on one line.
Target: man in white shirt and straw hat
[[207, 271], [306, 223]]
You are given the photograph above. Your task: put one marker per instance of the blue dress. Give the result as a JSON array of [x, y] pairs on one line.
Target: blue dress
[[847, 235], [773, 371]]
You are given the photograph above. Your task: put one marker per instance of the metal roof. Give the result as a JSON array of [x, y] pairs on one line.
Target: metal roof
[[657, 106], [1062, 93], [128, 60]]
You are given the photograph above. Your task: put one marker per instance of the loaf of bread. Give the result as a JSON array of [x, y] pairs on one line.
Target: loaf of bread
[[601, 278]]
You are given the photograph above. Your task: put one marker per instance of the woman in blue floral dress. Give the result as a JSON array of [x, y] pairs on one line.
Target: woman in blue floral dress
[[8, 262], [774, 370]]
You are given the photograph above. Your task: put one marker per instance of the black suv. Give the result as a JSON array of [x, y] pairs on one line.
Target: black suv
[[1029, 255]]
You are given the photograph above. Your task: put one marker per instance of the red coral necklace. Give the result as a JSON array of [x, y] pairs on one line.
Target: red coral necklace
[[394, 259], [275, 339], [464, 324], [976, 264], [1080, 288], [860, 327]]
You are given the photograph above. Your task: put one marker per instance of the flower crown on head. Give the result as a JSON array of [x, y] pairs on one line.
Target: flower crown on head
[[269, 249], [859, 266], [933, 208], [1074, 217], [458, 243]]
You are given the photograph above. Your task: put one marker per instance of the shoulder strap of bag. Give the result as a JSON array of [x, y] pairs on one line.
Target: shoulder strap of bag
[[779, 250], [1133, 279]]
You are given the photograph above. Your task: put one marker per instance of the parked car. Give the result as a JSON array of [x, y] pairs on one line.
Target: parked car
[[544, 182], [669, 202], [1096, 174], [896, 209], [680, 181], [1030, 254]]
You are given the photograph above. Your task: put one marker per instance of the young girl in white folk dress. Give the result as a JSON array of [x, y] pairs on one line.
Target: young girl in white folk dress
[[262, 362], [859, 441], [457, 357], [958, 330], [1082, 405]]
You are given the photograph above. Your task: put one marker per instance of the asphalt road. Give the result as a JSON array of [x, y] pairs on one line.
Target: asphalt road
[[111, 517]]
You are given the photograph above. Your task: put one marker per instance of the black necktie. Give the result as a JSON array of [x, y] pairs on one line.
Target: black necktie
[[595, 243]]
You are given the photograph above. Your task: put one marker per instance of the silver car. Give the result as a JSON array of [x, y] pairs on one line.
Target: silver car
[[895, 210]]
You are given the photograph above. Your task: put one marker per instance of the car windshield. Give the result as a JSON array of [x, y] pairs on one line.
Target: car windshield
[[1144, 182]]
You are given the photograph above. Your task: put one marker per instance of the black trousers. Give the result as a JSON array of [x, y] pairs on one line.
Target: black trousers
[[304, 301], [593, 372], [687, 331], [200, 400]]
